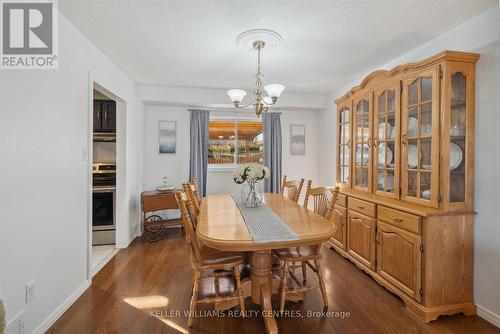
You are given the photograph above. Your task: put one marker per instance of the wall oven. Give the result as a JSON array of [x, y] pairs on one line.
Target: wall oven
[[104, 204]]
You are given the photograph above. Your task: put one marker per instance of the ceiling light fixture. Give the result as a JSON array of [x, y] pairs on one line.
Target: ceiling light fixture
[[258, 38]]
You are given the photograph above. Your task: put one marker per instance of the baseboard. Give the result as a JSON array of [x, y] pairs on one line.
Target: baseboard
[[488, 315], [104, 262], [16, 325], [62, 308]]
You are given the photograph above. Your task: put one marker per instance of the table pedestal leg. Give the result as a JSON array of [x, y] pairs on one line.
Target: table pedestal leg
[[261, 275]]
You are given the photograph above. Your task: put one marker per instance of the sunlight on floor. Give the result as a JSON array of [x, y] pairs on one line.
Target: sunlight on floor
[[174, 325], [147, 301]]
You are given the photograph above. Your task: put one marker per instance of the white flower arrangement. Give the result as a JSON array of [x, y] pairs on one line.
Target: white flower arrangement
[[250, 173]]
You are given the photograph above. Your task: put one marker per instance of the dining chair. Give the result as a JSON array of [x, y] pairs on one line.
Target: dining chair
[[323, 203], [193, 206], [292, 187], [210, 263], [196, 190]]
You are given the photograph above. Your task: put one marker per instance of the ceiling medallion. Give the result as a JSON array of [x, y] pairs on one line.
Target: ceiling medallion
[[258, 39]]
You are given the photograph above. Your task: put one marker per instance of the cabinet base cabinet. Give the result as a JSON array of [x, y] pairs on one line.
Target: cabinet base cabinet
[[399, 258], [431, 271], [340, 220], [361, 238]]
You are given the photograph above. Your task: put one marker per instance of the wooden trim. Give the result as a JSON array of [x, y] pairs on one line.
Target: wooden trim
[[378, 75], [404, 206]]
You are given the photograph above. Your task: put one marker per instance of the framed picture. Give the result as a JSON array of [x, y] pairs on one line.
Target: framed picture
[[167, 136], [297, 139]]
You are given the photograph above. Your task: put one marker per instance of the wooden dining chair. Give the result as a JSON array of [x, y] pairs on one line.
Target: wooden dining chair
[[196, 190], [292, 187], [210, 263], [324, 200], [193, 205]]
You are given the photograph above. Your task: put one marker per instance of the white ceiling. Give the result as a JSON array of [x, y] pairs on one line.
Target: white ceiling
[[326, 44]]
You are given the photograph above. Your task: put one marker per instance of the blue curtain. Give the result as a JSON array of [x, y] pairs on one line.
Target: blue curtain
[[271, 124], [198, 156]]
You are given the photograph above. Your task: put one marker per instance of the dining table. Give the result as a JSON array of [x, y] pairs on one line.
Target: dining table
[[222, 226]]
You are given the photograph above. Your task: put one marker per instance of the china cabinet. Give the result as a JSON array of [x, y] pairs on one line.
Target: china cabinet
[[405, 167]]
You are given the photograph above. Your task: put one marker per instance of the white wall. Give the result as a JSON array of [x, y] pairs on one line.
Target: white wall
[[44, 181], [486, 194], [480, 34], [176, 166], [156, 165]]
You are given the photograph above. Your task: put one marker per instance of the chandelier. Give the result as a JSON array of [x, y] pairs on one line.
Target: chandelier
[[260, 103]]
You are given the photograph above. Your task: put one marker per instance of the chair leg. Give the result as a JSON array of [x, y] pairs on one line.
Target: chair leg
[[304, 274], [194, 298], [239, 290], [283, 286], [321, 282]]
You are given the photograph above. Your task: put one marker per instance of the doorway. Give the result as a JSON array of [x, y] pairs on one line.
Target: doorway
[[105, 115]]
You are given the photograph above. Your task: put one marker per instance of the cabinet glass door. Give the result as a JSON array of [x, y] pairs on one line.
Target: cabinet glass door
[[344, 145], [362, 145], [386, 140], [458, 130], [420, 138]]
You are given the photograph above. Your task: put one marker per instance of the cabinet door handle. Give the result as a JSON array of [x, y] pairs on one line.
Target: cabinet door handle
[[361, 207], [375, 141], [379, 237], [397, 220], [403, 139], [369, 143]]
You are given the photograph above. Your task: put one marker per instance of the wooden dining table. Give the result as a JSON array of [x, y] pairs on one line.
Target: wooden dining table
[[221, 226]]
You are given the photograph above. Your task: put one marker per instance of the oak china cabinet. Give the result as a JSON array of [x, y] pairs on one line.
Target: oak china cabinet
[[405, 167]]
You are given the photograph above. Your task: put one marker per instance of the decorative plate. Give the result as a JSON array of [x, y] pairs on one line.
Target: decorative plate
[[456, 156], [412, 156], [382, 148]]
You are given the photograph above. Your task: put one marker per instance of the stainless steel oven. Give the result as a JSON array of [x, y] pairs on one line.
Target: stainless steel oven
[[104, 204]]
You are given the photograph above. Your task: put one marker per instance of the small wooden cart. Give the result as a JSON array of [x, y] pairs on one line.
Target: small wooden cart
[[154, 226]]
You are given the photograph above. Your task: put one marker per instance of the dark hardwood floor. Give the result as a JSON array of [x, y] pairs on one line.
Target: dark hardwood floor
[[145, 287]]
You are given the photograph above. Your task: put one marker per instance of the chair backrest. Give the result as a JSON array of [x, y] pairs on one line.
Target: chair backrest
[[193, 205], [293, 188], [182, 200], [196, 190], [323, 199]]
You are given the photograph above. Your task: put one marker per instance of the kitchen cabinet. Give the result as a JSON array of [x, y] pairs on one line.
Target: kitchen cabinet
[[104, 115]]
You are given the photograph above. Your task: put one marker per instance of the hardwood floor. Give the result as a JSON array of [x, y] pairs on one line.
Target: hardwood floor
[[145, 287]]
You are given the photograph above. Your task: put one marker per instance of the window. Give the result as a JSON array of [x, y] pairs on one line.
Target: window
[[234, 141]]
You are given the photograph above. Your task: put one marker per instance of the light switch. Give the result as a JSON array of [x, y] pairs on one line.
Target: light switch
[[85, 154]]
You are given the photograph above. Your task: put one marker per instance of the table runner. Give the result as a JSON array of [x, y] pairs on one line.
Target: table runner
[[264, 225]]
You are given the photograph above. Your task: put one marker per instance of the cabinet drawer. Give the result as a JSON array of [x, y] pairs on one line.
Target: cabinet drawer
[[364, 207], [341, 200], [400, 219]]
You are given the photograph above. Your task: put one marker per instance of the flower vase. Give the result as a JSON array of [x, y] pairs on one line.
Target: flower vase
[[251, 193]]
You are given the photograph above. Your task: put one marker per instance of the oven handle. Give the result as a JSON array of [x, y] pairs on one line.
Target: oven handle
[[104, 190]]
